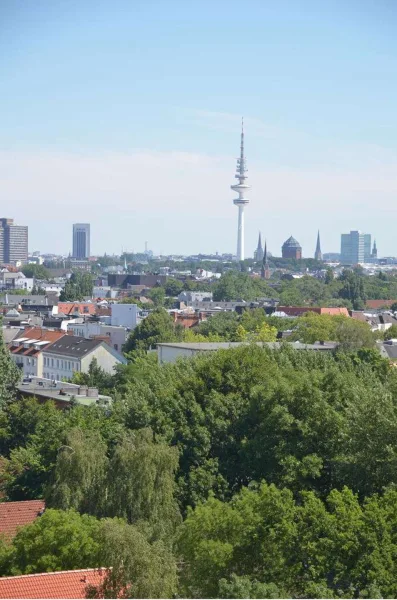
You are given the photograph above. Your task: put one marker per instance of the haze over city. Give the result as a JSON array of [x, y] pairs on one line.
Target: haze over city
[[127, 115]]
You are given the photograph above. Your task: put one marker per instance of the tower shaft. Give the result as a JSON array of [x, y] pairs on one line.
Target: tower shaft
[[240, 233], [241, 201]]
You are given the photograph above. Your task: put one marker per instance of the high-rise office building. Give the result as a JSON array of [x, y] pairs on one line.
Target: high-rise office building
[[81, 240], [355, 248], [13, 242]]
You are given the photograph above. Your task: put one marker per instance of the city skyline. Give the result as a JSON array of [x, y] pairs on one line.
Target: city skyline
[[105, 143]]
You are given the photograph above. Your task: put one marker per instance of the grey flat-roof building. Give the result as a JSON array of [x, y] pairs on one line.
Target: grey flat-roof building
[[13, 242], [81, 240]]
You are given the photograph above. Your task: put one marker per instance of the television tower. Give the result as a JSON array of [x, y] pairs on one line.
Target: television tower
[[241, 201]]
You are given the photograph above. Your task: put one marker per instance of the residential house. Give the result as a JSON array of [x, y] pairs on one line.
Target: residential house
[[26, 349], [74, 353]]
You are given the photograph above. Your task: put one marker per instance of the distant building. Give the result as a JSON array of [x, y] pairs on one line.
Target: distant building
[[374, 253], [291, 249], [124, 315], [72, 353], [258, 254], [13, 242], [81, 240], [355, 248], [318, 255]]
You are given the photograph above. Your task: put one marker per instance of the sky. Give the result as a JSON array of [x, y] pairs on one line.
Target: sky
[[126, 114]]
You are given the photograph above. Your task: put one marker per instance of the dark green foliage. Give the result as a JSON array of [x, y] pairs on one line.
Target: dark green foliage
[[320, 429], [240, 286], [96, 377], [247, 414], [157, 327], [266, 544], [79, 286], [36, 271], [9, 374], [64, 540]]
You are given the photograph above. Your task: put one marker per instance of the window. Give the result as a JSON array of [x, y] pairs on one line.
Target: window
[[69, 366], [61, 364], [116, 346], [57, 364], [52, 362]]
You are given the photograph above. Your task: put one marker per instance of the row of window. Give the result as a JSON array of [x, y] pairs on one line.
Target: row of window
[[61, 364]]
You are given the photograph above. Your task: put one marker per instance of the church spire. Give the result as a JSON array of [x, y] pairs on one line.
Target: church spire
[[258, 254], [374, 251], [318, 255], [260, 242], [265, 272]]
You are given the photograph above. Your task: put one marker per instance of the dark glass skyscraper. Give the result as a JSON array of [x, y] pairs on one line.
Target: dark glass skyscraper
[[81, 240]]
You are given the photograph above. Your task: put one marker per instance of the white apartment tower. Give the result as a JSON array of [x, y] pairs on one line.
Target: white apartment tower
[[13, 242], [241, 201], [81, 240]]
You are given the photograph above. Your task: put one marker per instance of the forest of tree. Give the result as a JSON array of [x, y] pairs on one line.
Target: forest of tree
[[249, 473]]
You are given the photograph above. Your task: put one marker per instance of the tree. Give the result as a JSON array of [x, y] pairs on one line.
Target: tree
[[141, 483], [265, 333], [157, 294], [313, 327], [36, 271], [80, 473], [157, 327], [391, 333], [353, 288], [95, 377], [9, 375], [137, 569], [173, 287], [66, 540], [79, 286], [55, 541], [283, 548]]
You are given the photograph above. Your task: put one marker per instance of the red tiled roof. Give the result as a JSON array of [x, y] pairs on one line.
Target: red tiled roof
[[34, 333], [69, 308], [17, 514], [62, 584], [379, 303]]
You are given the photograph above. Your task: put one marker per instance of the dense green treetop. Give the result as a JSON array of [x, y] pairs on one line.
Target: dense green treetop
[[36, 271]]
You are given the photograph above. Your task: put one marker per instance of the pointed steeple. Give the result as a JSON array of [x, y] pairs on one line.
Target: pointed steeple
[[374, 250], [258, 254], [265, 272], [318, 255]]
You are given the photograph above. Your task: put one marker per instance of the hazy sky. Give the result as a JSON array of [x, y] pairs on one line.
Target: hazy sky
[[126, 114]]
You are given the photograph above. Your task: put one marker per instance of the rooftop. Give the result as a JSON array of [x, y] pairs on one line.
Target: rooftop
[[291, 243], [18, 514], [62, 584], [212, 346], [73, 345]]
